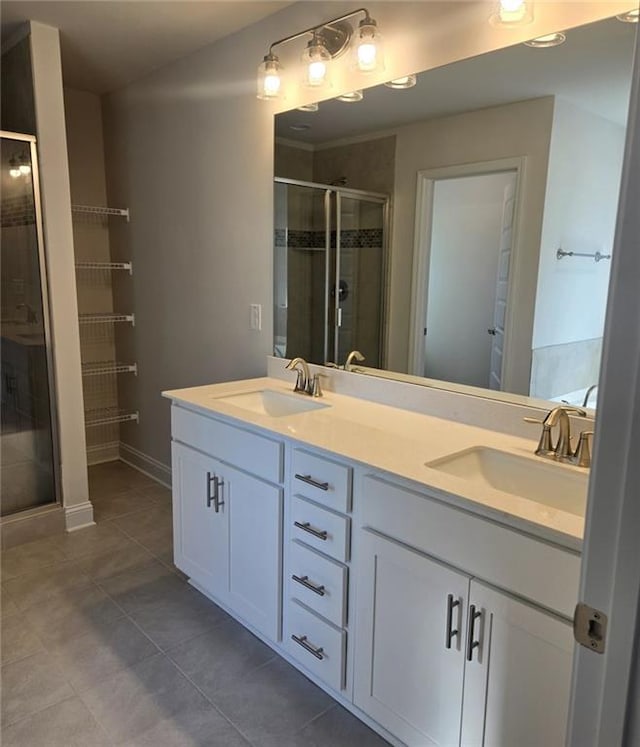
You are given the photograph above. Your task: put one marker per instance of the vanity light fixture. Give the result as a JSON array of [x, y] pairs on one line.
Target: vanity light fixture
[[511, 13], [14, 168], [328, 41], [631, 16], [351, 96], [548, 40], [407, 81], [313, 107]]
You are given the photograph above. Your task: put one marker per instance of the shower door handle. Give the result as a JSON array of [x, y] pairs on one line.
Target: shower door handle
[[339, 316]]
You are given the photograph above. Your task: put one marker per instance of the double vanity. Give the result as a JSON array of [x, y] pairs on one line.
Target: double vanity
[[423, 571]]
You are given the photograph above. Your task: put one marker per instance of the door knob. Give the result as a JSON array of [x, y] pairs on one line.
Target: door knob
[[492, 331]]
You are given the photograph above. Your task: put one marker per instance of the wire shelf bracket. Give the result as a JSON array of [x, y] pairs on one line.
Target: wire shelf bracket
[[109, 416], [596, 256], [105, 266], [104, 368], [106, 318], [96, 210]]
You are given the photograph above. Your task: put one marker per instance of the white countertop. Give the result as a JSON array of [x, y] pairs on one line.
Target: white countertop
[[398, 442]]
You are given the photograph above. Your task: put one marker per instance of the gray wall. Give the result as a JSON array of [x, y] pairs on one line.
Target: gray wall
[[17, 110]]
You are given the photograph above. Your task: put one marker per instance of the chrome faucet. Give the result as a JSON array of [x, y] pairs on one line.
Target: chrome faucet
[[591, 389], [562, 450], [305, 383], [353, 355]]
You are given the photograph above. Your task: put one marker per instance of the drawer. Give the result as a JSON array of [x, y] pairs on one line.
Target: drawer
[[321, 479], [318, 582], [317, 645], [252, 452], [320, 528]]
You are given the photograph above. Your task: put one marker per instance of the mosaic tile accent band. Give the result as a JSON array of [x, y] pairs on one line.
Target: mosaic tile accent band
[[351, 238]]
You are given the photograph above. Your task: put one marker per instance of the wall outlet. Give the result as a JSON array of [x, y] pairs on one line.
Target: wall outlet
[[256, 316]]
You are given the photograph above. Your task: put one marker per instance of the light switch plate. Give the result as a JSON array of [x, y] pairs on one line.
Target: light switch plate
[[256, 316]]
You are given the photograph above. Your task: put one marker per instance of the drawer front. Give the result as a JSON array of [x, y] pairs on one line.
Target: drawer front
[[319, 528], [321, 479], [318, 583], [254, 453], [318, 646], [543, 573]]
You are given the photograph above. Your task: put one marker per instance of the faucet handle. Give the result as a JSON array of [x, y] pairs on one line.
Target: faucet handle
[[582, 454], [545, 445], [315, 390], [301, 384]]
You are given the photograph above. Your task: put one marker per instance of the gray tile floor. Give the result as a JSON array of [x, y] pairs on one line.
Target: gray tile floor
[[104, 643]]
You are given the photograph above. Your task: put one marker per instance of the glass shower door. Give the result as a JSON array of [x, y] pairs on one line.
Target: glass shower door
[[27, 446], [356, 310]]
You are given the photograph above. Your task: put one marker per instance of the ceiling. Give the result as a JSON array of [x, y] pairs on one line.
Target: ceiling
[[592, 69], [106, 45]]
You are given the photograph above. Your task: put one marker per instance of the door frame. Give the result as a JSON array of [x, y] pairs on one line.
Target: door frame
[[422, 252], [604, 686]]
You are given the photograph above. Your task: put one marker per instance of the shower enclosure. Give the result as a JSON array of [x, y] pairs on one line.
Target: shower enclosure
[[28, 445], [329, 272]]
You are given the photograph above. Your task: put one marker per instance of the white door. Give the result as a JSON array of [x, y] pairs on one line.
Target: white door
[[502, 286], [255, 550], [466, 230], [200, 532], [409, 659], [517, 681]]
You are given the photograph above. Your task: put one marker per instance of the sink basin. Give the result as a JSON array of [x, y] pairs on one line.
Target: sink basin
[[275, 404], [553, 485]]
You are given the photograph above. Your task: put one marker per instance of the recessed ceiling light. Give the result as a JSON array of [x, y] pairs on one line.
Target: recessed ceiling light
[[308, 107], [407, 81], [631, 16], [299, 127], [351, 97], [548, 40]]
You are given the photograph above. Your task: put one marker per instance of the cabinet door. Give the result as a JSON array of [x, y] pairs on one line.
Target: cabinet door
[[200, 533], [255, 550], [409, 664], [517, 683]]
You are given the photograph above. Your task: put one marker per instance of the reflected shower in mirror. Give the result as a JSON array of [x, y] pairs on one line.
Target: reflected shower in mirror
[[502, 176]]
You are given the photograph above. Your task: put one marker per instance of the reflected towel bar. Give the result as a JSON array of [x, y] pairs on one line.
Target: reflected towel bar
[[597, 256]]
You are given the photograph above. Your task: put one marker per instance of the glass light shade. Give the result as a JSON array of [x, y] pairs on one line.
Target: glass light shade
[[407, 81], [14, 172], [351, 96], [631, 16], [368, 50], [25, 168], [316, 61], [313, 107], [548, 40], [269, 82], [512, 13]]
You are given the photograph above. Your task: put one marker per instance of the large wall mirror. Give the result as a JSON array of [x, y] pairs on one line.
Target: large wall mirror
[[459, 232]]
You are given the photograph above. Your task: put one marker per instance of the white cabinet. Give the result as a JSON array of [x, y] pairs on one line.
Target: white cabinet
[[445, 660], [409, 659], [200, 532], [516, 687], [228, 531]]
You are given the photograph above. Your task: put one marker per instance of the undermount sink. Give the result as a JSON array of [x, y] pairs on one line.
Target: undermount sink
[[275, 404], [553, 485]]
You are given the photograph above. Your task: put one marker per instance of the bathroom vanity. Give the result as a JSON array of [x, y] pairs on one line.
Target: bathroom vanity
[[378, 551]]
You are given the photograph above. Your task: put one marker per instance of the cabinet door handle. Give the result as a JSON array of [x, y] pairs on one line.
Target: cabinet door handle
[[310, 481], [210, 498], [218, 483], [302, 641], [450, 632], [304, 581], [471, 644], [306, 527]]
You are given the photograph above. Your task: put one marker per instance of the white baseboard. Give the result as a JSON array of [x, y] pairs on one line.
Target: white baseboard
[[108, 452], [79, 516], [146, 464]]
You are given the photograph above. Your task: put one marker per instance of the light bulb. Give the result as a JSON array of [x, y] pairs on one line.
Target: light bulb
[[317, 73], [14, 172], [369, 53], [512, 13], [25, 168], [269, 82], [316, 59]]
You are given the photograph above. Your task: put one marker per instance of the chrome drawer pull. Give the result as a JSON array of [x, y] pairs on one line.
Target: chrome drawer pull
[[451, 633], [304, 581], [217, 501], [310, 481], [306, 527], [471, 644], [210, 498], [302, 641]]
